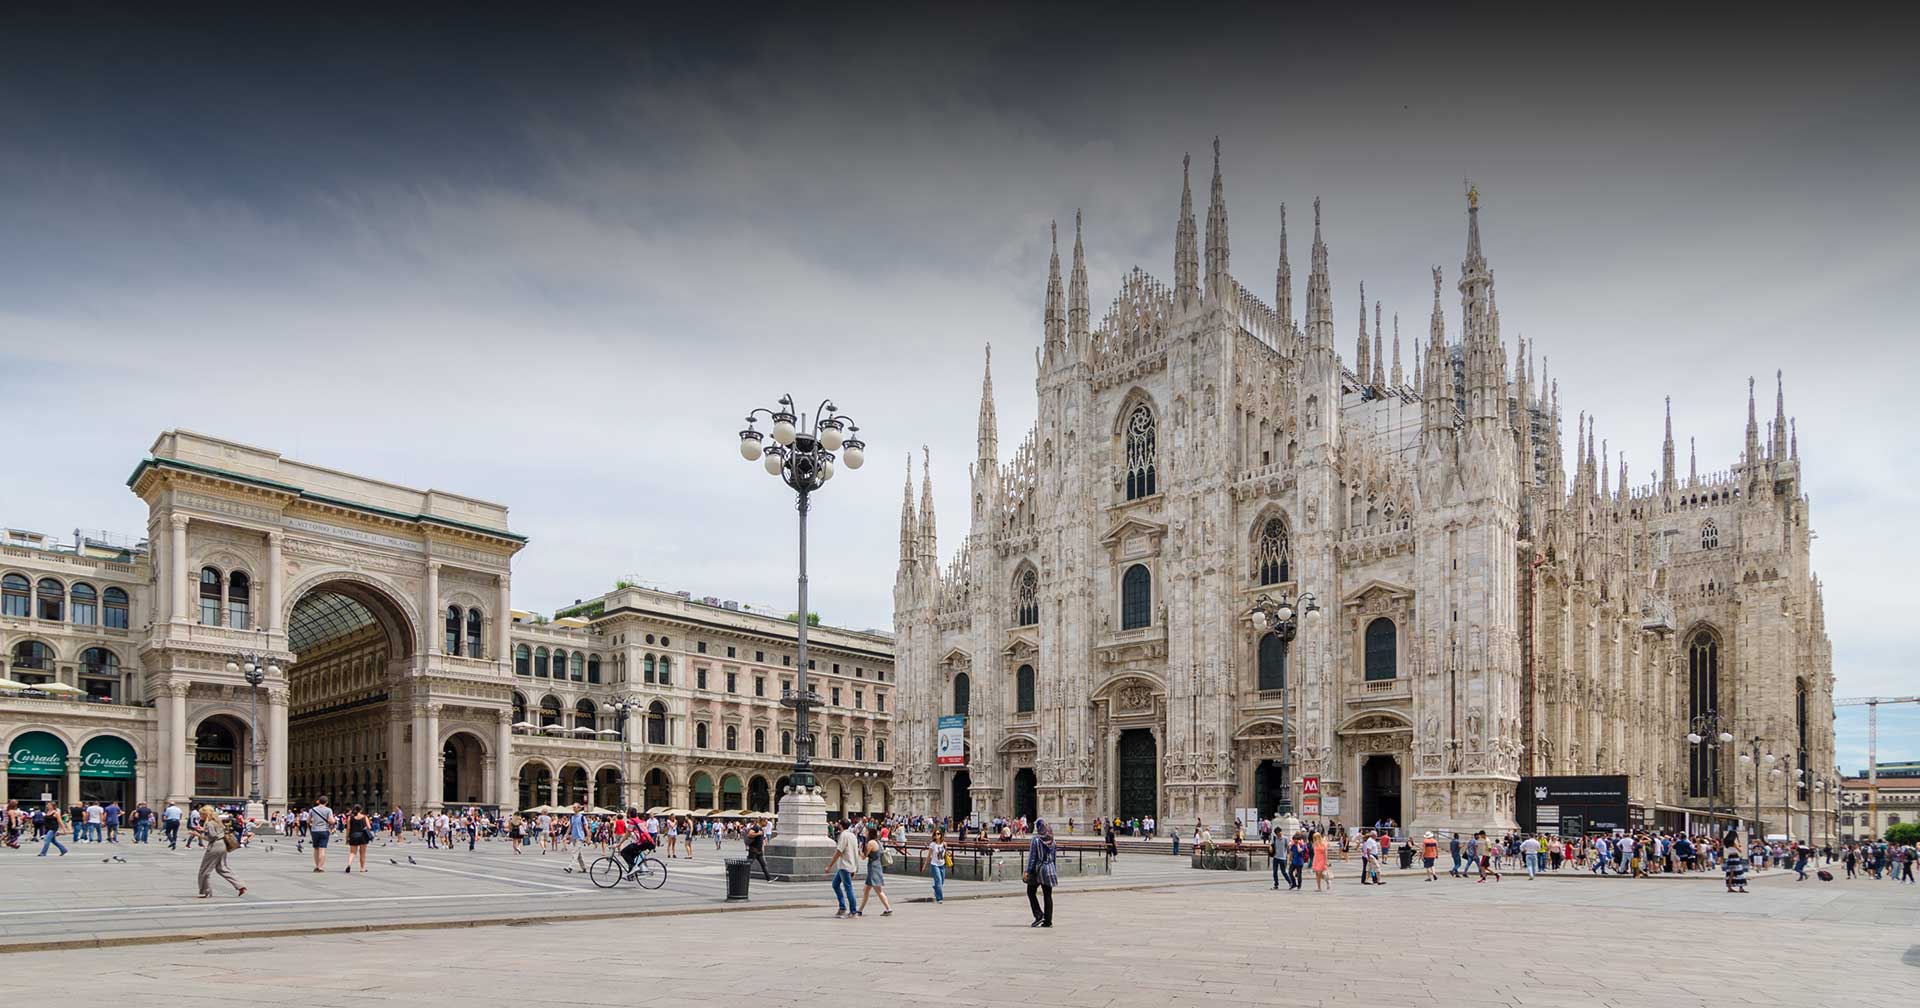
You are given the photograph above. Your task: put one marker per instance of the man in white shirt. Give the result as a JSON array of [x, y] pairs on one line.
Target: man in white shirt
[[846, 857], [1370, 861], [96, 822], [170, 821], [319, 831], [1530, 854]]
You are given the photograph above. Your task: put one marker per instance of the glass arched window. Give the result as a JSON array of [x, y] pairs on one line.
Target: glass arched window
[[1026, 605], [1136, 598], [549, 711], [1273, 553], [786, 743], [859, 748], [1703, 695], [1141, 477], [522, 660], [646, 668], [239, 600], [666, 671], [209, 597], [519, 707], [880, 750], [962, 694], [584, 715], [1273, 662], [1709, 535], [116, 608], [759, 740], [700, 735], [578, 668], [453, 625], [1023, 690], [15, 597], [540, 662], [593, 669], [31, 655], [1382, 648], [86, 604], [53, 599], [476, 628], [559, 663], [100, 661], [657, 724], [733, 738]]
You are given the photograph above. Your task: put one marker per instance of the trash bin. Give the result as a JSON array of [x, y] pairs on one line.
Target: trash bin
[[737, 876], [1406, 856]]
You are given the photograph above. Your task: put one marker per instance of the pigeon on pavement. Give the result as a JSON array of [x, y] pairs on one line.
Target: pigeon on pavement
[[410, 860]]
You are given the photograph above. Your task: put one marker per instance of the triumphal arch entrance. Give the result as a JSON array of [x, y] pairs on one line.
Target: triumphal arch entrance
[[385, 608]]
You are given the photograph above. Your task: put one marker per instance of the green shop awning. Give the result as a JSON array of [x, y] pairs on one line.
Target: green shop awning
[[38, 754], [107, 756]]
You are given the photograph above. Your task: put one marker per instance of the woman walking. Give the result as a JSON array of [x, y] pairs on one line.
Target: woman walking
[[937, 864], [359, 835], [1042, 873], [876, 874], [1321, 880], [213, 834]]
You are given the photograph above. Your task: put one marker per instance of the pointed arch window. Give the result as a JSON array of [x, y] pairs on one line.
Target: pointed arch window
[[962, 694], [209, 597], [1273, 662], [1382, 650], [1023, 690], [455, 619], [476, 629], [1142, 478], [116, 608], [1709, 535], [657, 724], [1703, 695], [1026, 606], [1274, 553], [1136, 598], [86, 609]]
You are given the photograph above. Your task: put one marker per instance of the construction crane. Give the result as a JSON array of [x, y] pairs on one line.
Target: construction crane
[[1872, 704]]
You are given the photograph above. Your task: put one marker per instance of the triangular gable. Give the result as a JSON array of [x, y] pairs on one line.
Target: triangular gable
[[1129, 524], [1397, 591]]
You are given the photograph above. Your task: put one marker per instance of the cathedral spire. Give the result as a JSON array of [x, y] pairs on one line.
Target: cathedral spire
[[909, 534], [1693, 463], [1186, 262], [1621, 488], [1780, 415], [989, 433], [1056, 316], [1753, 428], [1605, 463], [1419, 354], [929, 541], [1283, 279], [1077, 291], [1666, 453], [1396, 378], [1319, 293], [1360, 359], [1217, 247], [1379, 357], [1794, 449]]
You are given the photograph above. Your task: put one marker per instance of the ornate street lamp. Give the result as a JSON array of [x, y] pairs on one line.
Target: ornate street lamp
[[1707, 730], [1282, 618], [625, 706], [255, 669], [1757, 760], [802, 456]]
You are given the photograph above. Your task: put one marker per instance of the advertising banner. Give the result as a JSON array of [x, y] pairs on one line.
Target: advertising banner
[[107, 756], [952, 749], [38, 754], [1310, 796]]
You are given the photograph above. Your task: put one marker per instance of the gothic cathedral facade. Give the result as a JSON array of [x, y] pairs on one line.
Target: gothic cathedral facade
[[1484, 615]]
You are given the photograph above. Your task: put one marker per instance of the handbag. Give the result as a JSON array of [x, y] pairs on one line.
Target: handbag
[[231, 842]]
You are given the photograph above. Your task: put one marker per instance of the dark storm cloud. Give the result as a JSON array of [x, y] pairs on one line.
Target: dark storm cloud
[[548, 255]]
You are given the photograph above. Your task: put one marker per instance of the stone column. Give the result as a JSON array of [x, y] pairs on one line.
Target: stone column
[[73, 779], [553, 787], [177, 556], [431, 788], [272, 622], [489, 780], [436, 620], [504, 784], [179, 764], [503, 623], [277, 762], [400, 765]]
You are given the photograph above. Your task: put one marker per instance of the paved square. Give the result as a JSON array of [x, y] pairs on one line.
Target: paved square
[[1230, 941]]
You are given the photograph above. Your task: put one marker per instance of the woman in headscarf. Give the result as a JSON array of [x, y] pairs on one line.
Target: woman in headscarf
[[213, 833], [1041, 873]]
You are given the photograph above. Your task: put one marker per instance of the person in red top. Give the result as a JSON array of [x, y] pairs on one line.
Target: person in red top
[[1429, 853], [639, 841]]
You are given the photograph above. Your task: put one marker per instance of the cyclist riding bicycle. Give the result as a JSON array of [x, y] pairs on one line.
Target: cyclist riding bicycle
[[640, 841]]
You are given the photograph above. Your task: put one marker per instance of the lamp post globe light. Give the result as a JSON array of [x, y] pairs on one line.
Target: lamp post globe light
[[625, 706], [1282, 618], [1708, 730], [255, 670], [802, 456]]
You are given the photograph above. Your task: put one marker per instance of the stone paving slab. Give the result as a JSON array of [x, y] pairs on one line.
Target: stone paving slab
[[1512, 944]]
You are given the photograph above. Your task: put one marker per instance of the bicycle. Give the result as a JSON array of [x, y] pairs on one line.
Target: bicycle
[[648, 872]]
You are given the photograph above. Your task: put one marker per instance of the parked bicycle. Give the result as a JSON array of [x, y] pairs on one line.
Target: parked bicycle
[[648, 872]]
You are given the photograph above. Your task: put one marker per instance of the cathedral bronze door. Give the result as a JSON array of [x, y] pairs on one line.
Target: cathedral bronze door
[[1139, 774], [1026, 794], [1380, 791]]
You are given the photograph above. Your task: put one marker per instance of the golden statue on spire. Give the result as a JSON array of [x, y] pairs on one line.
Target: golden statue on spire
[[1473, 195]]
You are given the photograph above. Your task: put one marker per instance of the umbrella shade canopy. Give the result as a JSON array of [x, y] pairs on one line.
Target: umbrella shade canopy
[[597, 810], [678, 812], [659, 810], [553, 727], [608, 731], [14, 684], [728, 814], [57, 687], [582, 728], [524, 725], [701, 812]]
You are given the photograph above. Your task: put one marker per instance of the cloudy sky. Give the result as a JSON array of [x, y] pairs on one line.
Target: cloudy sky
[[551, 262]]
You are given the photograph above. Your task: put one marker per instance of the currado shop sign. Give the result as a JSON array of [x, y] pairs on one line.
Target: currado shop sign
[[38, 754], [107, 756]]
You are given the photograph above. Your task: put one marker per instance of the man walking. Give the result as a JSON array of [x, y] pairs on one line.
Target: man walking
[[846, 855], [1530, 855], [756, 849], [319, 831], [170, 824], [1453, 848]]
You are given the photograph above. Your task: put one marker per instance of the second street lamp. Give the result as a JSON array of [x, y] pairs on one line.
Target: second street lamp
[[1282, 619], [1706, 730], [625, 706], [255, 669], [802, 456]]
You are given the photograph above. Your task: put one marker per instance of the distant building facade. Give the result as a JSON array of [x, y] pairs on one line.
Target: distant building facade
[[407, 677], [1486, 614]]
